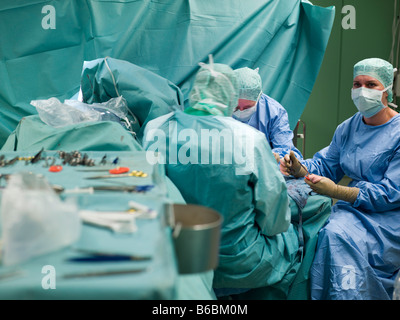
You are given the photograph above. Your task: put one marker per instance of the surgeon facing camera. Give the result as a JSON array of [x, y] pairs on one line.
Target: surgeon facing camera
[[358, 253]]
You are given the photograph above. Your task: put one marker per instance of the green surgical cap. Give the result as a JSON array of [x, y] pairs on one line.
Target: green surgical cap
[[379, 69], [214, 91], [250, 84]]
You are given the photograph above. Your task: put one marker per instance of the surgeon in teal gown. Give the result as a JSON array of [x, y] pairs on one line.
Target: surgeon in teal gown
[[309, 211], [218, 162]]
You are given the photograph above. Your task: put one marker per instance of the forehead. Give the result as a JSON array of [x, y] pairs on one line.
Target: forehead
[[366, 79], [246, 103]]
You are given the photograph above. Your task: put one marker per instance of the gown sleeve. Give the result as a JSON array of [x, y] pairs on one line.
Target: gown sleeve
[[281, 137], [326, 162], [383, 195], [270, 192]]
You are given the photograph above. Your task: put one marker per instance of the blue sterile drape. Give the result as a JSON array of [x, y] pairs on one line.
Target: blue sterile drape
[[43, 45]]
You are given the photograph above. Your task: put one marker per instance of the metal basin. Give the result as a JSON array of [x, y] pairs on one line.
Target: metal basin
[[196, 237]]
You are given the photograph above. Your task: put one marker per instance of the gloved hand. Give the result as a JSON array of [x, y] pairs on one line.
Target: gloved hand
[[290, 165], [327, 187], [277, 157]]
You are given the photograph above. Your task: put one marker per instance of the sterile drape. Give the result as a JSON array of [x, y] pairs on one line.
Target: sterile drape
[[43, 45]]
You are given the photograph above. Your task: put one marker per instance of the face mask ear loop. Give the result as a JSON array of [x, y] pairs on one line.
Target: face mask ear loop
[[390, 103], [387, 88], [258, 98], [395, 94]]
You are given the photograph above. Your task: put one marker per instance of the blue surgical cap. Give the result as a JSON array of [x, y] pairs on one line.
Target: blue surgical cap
[[250, 84], [379, 69]]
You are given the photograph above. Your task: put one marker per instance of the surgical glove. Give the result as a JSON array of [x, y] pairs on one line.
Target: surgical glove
[[290, 165], [277, 157], [327, 187]]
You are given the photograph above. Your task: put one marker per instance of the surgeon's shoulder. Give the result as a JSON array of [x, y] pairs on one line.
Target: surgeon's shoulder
[[272, 103], [350, 123], [159, 121]]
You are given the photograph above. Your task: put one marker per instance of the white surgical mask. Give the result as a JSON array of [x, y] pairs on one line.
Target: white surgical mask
[[368, 101], [244, 115]]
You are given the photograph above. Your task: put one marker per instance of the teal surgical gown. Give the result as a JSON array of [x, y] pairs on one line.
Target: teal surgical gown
[[207, 159], [358, 253]]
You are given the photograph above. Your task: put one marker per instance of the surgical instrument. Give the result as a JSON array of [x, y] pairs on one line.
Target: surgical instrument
[[302, 165], [37, 157], [114, 258], [55, 168], [11, 274], [142, 188], [134, 173], [116, 170], [4, 162], [103, 273], [307, 176], [48, 163], [96, 256]]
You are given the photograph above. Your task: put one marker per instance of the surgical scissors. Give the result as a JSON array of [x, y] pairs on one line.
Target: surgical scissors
[[134, 173]]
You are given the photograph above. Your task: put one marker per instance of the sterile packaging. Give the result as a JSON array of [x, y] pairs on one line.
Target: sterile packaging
[[35, 220], [57, 114]]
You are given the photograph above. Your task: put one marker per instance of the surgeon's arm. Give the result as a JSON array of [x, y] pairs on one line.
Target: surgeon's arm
[[280, 135], [270, 192], [383, 195], [328, 188], [325, 163]]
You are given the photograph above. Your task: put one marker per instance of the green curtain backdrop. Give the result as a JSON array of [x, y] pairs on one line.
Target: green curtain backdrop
[[42, 50]]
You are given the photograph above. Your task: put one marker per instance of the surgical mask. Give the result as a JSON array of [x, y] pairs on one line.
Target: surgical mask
[[368, 101], [244, 115]]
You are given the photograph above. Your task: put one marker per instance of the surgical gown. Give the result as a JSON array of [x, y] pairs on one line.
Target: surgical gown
[[272, 120], [259, 246], [358, 253]]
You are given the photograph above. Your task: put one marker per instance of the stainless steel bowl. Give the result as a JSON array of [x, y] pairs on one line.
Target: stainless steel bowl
[[197, 231]]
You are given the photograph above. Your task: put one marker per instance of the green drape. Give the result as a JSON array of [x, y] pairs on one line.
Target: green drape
[[43, 45]]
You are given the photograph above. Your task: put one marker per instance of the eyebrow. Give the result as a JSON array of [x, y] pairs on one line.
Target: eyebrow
[[368, 82]]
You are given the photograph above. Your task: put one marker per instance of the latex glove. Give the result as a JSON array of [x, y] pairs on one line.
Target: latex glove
[[277, 157], [290, 165], [327, 187]]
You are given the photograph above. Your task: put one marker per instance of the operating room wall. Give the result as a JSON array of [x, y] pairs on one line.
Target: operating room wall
[[330, 101]]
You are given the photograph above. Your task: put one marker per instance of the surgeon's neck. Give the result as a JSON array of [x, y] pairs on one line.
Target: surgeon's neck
[[381, 117]]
